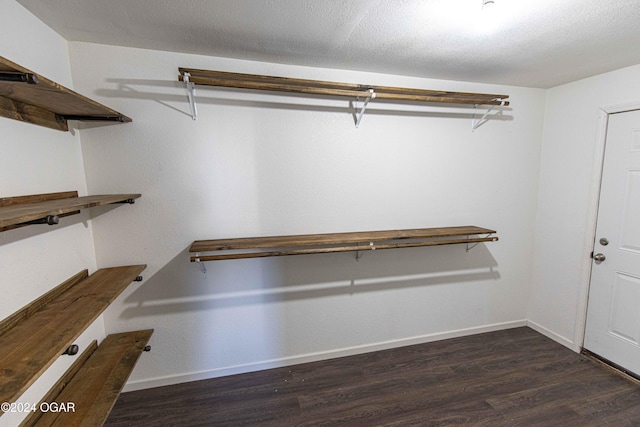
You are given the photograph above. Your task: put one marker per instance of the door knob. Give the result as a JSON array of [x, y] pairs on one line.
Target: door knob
[[599, 257]]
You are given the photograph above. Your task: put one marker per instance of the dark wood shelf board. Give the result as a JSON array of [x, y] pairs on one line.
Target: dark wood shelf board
[[36, 305], [14, 213], [63, 381], [96, 385], [46, 102], [30, 345], [35, 198], [338, 242]]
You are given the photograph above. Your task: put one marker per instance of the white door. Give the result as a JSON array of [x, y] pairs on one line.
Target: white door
[[613, 315]]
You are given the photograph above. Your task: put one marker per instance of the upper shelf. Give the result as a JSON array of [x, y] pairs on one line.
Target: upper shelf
[[30, 97], [318, 87], [338, 242], [45, 208]]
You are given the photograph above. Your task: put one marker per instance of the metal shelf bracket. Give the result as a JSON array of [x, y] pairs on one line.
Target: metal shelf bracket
[[471, 246], [359, 254], [191, 93], [202, 267], [475, 124], [360, 114]]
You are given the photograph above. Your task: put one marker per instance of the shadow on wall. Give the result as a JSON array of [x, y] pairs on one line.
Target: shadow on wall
[[172, 94], [181, 286]]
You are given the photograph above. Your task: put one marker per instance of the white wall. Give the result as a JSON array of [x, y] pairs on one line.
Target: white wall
[[258, 164], [35, 160], [567, 199]]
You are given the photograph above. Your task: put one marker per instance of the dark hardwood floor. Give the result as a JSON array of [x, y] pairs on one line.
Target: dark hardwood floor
[[515, 377]]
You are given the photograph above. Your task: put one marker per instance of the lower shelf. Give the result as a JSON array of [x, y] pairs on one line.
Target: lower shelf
[[90, 388], [35, 336]]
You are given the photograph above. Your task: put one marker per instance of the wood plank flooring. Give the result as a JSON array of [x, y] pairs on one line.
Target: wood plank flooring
[[514, 377]]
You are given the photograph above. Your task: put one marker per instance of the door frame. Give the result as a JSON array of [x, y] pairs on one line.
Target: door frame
[[592, 215]]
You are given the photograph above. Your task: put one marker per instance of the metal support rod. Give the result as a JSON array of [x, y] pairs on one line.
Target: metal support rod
[[82, 118], [49, 219], [360, 114], [11, 76], [191, 93], [127, 201]]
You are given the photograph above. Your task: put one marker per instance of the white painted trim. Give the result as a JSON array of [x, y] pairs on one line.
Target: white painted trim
[[590, 231], [314, 357], [621, 108], [556, 337]]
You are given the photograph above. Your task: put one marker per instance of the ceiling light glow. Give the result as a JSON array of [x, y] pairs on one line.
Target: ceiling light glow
[[491, 19], [488, 4], [473, 18]]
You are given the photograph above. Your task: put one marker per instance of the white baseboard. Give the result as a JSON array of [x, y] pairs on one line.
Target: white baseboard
[[556, 337], [314, 357]]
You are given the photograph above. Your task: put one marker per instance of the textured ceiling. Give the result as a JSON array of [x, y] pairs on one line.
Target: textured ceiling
[[540, 43]]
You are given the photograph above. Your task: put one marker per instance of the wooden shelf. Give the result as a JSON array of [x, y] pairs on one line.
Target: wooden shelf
[[35, 336], [60, 385], [41, 208], [351, 90], [30, 97], [337, 242], [94, 382]]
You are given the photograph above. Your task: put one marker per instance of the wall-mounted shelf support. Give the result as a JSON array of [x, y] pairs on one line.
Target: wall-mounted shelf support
[[84, 118], [258, 247], [125, 202], [475, 124], [72, 350], [196, 258], [472, 243], [191, 94], [10, 76], [360, 114], [359, 253], [49, 220], [192, 76]]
